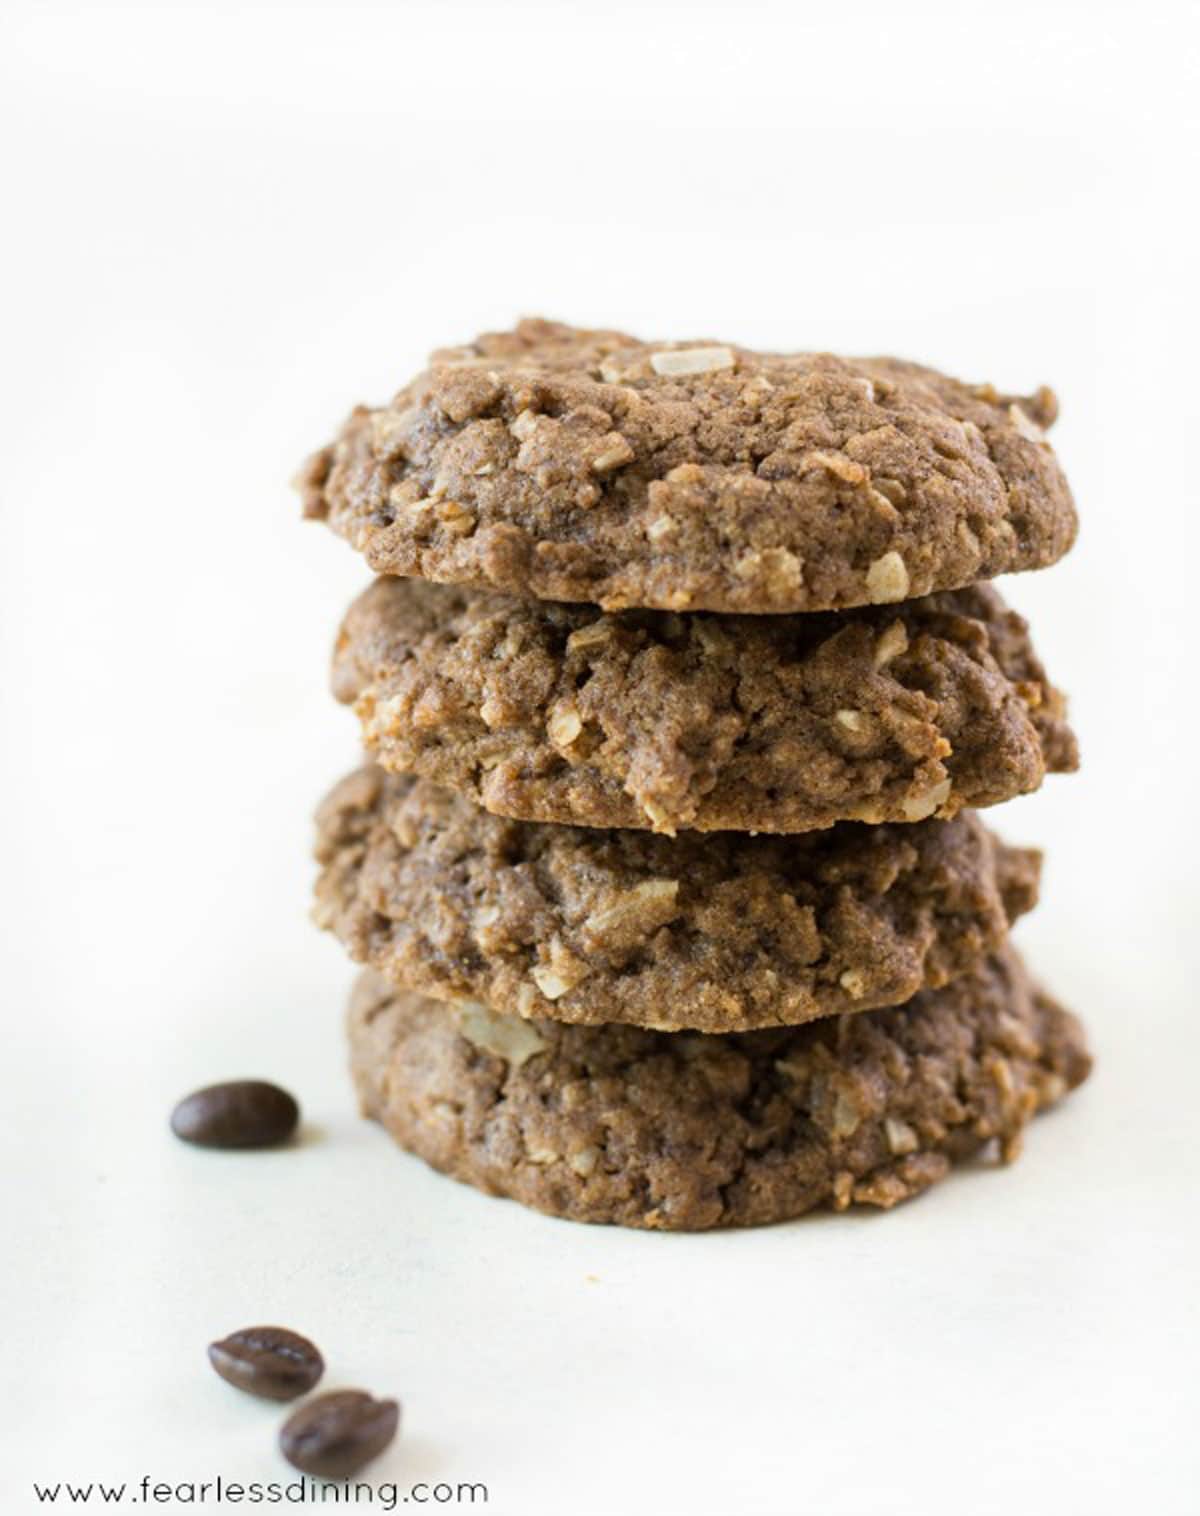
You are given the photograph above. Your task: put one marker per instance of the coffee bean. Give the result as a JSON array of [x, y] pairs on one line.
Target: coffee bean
[[334, 1435], [246, 1113], [267, 1361]]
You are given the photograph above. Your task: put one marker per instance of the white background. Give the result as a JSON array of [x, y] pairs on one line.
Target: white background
[[225, 224]]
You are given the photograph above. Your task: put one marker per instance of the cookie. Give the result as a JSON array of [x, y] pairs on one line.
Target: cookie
[[679, 1131], [716, 932], [582, 465], [553, 712]]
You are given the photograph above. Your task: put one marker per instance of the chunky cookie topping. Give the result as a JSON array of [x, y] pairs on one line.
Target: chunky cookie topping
[[586, 465]]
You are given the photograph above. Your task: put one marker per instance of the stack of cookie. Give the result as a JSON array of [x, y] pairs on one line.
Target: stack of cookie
[[682, 691]]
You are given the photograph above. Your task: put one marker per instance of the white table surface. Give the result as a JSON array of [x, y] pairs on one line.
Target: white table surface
[[225, 225]]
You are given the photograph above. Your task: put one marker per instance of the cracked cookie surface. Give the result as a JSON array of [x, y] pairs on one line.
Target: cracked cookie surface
[[679, 1131], [714, 932], [587, 465], [559, 712]]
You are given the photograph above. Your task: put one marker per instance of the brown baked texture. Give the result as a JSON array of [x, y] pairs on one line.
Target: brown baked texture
[[559, 712], [715, 932], [586, 465], [679, 1131]]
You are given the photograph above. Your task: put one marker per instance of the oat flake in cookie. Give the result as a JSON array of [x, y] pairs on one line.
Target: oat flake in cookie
[[650, 719], [586, 465], [713, 932], [684, 1132]]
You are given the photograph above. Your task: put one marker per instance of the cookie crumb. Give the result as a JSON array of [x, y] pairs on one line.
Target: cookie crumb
[[918, 807], [506, 1037], [692, 360], [660, 527], [887, 579], [615, 453], [891, 644]]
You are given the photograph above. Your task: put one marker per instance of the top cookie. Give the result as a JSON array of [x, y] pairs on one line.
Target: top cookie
[[586, 465]]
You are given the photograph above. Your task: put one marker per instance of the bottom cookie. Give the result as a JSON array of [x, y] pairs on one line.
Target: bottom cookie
[[683, 1131]]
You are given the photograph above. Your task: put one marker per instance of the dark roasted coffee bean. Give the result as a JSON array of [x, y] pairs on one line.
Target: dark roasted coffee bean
[[246, 1113], [334, 1435], [267, 1361]]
